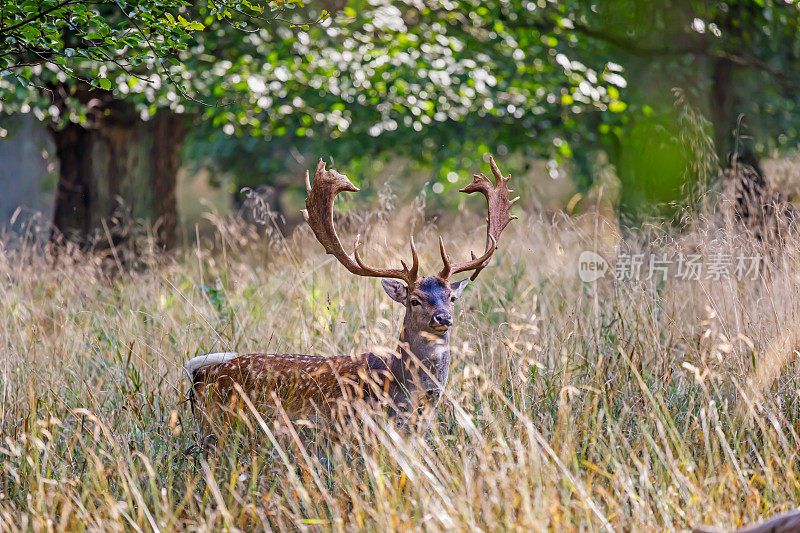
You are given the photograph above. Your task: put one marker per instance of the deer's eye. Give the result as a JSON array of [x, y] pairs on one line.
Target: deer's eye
[[414, 302]]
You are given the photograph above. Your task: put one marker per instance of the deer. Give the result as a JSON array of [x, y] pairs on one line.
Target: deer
[[405, 381]]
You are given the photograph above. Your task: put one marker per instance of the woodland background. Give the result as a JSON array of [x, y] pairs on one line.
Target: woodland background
[[151, 174], [248, 94]]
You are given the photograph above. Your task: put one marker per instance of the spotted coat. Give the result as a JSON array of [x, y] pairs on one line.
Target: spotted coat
[[301, 383]]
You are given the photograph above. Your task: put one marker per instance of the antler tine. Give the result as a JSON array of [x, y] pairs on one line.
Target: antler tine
[[498, 217], [482, 262], [498, 176], [414, 261], [445, 273], [476, 263], [319, 215], [409, 274]]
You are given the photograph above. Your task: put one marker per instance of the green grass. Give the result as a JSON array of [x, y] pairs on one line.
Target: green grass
[[632, 406]]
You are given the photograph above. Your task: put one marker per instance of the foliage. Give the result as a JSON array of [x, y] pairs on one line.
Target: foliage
[[732, 59], [439, 83], [113, 46], [465, 77], [61, 34], [678, 42], [538, 55]]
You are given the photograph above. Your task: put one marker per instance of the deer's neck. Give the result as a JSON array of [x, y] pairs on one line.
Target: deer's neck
[[425, 358]]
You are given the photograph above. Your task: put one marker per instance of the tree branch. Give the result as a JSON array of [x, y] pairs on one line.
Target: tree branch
[[700, 47], [36, 16], [160, 62], [635, 48]]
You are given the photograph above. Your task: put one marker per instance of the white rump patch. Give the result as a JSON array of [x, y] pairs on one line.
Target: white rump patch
[[209, 359]]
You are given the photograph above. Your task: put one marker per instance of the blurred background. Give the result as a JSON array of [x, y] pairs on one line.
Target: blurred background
[[636, 109]]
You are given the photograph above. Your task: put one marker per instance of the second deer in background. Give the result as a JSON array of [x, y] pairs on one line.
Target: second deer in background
[[407, 381]]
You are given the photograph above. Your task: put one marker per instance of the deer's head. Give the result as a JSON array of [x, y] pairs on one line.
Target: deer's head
[[429, 306], [429, 301]]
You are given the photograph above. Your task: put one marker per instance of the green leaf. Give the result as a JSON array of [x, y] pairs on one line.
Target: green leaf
[[617, 106]]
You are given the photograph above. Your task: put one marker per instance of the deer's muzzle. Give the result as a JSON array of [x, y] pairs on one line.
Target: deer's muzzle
[[441, 321]]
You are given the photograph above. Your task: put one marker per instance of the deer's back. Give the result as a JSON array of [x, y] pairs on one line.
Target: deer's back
[[298, 381]]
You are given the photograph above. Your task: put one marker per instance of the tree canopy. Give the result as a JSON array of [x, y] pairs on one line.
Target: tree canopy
[[132, 48], [435, 81], [461, 76], [741, 55]]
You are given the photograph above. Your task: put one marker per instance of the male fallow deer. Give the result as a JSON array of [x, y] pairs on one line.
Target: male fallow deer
[[403, 380]]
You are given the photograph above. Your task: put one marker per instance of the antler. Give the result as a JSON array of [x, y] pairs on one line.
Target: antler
[[497, 196], [319, 215]]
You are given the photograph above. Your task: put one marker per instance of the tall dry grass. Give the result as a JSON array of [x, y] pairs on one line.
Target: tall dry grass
[[632, 405]]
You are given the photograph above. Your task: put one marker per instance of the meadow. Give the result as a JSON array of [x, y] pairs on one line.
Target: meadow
[[634, 404]]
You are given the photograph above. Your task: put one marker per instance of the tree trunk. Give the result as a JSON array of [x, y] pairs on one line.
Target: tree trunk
[[721, 106], [73, 193], [114, 173], [168, 133], [73, 201]]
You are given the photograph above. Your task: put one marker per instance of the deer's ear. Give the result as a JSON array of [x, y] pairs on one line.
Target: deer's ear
[[458, 287], [395, 289]]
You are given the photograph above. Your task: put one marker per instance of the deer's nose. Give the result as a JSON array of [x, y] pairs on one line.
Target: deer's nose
[[442, 319]]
